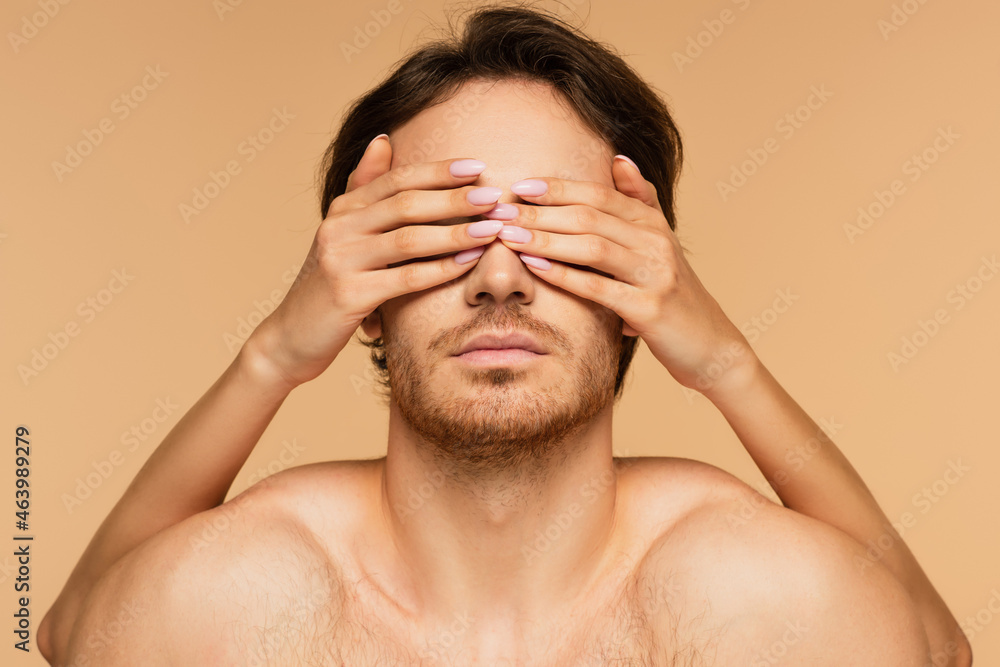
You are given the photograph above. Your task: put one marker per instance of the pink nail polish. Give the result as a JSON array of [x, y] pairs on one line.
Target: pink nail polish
[[483, 228], [467, 256], [373, 141], [537, 262], [515, 234], [630, 162], [484, 196], [466, 168], [530, 187], [502, 212]]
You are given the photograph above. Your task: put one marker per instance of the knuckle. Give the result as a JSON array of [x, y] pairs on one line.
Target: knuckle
[[585, 216], [405, 238], [593, 283], [540, 241], [404, 173], [599, 194], [596, 248], [409, 275], [405, 204], [328, 234], [336, 207]]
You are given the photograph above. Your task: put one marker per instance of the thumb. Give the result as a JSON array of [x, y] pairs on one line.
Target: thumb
[[629, 181], [375, 162]]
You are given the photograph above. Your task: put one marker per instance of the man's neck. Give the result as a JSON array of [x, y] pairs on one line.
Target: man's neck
[[502, 545]]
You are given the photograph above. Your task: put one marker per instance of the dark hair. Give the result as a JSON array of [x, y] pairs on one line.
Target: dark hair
[[514, 42]]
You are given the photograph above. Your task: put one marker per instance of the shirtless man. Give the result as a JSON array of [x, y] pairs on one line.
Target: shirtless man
[[499, 529]]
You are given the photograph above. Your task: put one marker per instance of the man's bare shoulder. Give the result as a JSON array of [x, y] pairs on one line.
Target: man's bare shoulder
[[759, 582], [244, 577]]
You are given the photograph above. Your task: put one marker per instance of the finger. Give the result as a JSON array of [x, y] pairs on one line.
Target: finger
[[374, 162], [418, 176], [418, 276], [629, 181], [585, 251], [423, 243], [576, 219], [562, 192], [414, 207], [608, 292]]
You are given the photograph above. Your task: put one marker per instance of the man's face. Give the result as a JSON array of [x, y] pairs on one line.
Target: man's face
[[497, 415]]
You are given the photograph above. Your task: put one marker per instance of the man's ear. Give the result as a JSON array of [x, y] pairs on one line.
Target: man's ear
[[372, 324]]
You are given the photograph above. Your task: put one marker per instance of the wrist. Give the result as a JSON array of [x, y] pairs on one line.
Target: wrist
[[256, 367], [735, 379]]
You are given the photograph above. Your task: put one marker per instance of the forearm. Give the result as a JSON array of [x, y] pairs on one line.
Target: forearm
[[189, 472], [813, 477]]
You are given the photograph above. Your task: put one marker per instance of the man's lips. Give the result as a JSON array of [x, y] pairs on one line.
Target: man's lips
[[509, 341]]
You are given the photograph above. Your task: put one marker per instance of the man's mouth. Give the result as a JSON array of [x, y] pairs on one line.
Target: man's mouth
[[493, 348]]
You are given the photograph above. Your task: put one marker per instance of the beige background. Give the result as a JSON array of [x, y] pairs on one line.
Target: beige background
[[163, 337]]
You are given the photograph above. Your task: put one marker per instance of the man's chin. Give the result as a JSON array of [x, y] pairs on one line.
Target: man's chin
[[496, 427]]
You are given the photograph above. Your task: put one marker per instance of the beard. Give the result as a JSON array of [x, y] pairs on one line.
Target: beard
[[491, 423]]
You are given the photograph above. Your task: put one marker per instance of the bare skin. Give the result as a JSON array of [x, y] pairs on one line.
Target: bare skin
[[675, 584], [533, 545]]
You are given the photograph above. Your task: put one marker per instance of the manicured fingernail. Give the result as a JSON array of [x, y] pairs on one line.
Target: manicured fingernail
[[630, 162], [537, 262], [373, 141], [483, 228], [515, 234], [484, 196], [530, 187], [466, 168], [502, 212], [467, 256]]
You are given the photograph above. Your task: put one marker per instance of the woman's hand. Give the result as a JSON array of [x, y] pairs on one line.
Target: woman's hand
[[353, 265]]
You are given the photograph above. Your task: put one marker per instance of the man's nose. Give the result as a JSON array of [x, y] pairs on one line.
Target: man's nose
[[500, 274]]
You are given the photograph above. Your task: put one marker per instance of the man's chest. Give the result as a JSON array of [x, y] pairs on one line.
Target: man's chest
[[621, 627]]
